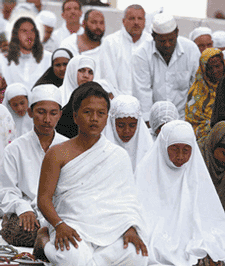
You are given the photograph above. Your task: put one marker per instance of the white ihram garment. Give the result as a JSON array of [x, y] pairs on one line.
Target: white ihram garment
[[185, 218]]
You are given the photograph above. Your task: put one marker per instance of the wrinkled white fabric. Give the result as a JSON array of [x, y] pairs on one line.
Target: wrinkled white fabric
[[27, 72], [161, 113], [62, 33], [141, 142], [7, 129], [70, 43], [23, 123], [163, 23], [96, 196], [47, 18], [20, 171], [154, 80], [70, 80], [107, 86], [197, 32], [218, 39], [115, 59], [185, 218]]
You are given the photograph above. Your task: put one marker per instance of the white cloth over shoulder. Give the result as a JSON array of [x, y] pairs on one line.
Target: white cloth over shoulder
[[20, 171], [70, 43], [185, 218], [7, 129], [154, 80], [96, 196], [141, 142], [70, 82], [115, 59], [24, 124], [27, 72]]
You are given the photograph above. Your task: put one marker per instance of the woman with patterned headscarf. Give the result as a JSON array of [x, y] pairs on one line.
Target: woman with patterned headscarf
[[202, 94]]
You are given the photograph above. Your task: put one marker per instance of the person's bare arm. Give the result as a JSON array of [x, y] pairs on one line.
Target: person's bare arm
[[50, 171]]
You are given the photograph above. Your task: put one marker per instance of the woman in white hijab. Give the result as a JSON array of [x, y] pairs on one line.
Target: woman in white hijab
[[161, 112], [127, 128], [80, 69], [16, 100], [184, 216]]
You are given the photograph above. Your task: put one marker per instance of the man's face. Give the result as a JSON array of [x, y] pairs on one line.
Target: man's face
[[46, 115], [26, 35], [37, 4], [204, 42], [92, 116], [166, 43], [7, 9], [48, 32], [71, 12], [95, 26], [134, 22]]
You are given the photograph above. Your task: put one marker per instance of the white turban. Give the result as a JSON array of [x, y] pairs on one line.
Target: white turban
[[218, 39], [163, 23], [46, 92], [197, 32], [47, 18]]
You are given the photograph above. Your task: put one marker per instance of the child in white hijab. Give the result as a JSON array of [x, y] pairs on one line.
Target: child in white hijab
[[16, 100], [184, 216], [127, 128]]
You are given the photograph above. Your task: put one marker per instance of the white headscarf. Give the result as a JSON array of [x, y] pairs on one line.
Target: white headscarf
[[185, 218], [161, 113], [70, 80], [129, 106], [24, 123]]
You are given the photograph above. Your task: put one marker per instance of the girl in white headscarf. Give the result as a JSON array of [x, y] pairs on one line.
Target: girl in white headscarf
[[161, 112], [16, 99], [184, 216], [80, 69], [127, 128]]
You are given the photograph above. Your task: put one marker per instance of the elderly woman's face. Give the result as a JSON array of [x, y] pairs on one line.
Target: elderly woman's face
[[215, 69]]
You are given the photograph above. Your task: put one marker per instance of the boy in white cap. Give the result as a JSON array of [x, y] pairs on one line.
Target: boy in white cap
[[202, 36], [164, 68], [48, 20], [21, 164]]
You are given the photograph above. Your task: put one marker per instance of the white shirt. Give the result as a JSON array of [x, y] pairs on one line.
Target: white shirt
[[115, 59], [27, 72], [70, 43], [154, 80], [20, 171], [62, 33]]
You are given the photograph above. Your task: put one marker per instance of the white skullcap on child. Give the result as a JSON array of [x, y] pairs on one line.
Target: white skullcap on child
[[46, 92], [163, 23], [197, 32], [47, 18], [218, 39]]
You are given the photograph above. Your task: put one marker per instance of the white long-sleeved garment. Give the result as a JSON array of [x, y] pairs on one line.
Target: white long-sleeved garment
[[27, 72], [154, 80], [115, 59], [20, 171]]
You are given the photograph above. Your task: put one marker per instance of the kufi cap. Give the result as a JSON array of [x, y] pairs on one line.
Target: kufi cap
[[46, 92], [47, 18], [15, 89], [163, 23], [199, 32], [218, 39]]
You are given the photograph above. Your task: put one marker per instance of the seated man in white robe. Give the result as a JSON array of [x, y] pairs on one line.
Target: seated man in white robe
[[26, 60], [87, 193], [21, 164]]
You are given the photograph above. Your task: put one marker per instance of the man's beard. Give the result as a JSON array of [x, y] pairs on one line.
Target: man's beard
[[92, 36]]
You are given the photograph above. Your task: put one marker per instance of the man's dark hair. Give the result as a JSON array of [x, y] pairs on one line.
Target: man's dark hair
[[86, 15], [66, 1], [86, 90], [14, 45]]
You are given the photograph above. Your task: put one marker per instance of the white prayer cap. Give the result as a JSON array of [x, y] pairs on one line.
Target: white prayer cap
[[46, 92], [218, 39], [86, 62], [47, 18], [163, 23], [125, 106], [15, 89], [162, 112], [197, 32]]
